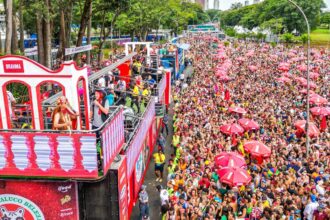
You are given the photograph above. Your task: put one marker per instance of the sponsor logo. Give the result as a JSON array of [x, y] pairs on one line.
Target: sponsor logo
[[64, 189], [65, 199], [13, 207], [13, 66]]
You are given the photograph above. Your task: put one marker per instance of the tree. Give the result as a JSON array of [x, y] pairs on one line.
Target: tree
[[255, 15], [9, 25], [325, 19], [236, 5], [275, 25]]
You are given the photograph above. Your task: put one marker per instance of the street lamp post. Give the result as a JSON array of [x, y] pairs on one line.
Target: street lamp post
[[308, 78]]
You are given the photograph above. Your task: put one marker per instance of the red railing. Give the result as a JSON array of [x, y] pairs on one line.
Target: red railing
[[48, 155]]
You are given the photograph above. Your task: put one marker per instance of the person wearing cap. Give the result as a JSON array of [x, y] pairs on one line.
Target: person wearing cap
[[311, 207], [100, 109], [144, 203]]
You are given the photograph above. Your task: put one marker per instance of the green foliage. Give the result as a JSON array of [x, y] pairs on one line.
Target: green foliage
[[287, 38], [226, 43], [274, 25], [236, 5], [273, 44], [278, 15], [325, 19], [304, 38], [230, 32]]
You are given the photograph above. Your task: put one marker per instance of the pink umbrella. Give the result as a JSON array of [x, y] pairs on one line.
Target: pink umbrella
[[302, 67], [256, 148], [249, 53], [304, 91], [224, 78], [284, 67], [231, 129], [248, 124], [283, 79], [230, 159], [314, 75], [240, 59], [311, 84], [313, 130], [237, 109], [220, 73], [318, 100], [286, 74], [301, 79], [323, 111], [253, 68], [234, 176]]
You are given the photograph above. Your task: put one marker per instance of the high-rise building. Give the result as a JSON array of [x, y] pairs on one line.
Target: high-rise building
[[216, 4], [246, 3], [256, 1]]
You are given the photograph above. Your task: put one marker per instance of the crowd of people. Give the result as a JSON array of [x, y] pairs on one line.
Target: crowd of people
[[291, 183]]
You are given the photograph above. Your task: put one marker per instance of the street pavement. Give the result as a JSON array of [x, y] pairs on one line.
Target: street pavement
[[150, 179]]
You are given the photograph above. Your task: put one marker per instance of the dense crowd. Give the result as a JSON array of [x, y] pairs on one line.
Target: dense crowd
[[290, 183]]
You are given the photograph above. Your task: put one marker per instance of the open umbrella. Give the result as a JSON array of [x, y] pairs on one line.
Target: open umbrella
[[230, 159], [313, 131], [311, 84], [234, 176], [302, 67], [314, 75], [323, 111], [283, 79], [248, 124], [304, 91], [237, 109], [231, 129], [224, 78], [240, 59], [256, 148], [318, 100], [284, 67], [252, 68]]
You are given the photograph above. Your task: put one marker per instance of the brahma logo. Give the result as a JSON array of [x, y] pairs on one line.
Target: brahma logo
[[14, 207], [13, 66]]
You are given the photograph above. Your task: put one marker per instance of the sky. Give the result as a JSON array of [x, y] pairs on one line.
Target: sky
[[225, 4]]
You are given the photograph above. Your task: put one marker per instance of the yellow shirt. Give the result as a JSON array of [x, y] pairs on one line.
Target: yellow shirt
[[135, 91], [159, 158], [176, 140], [145, 92]]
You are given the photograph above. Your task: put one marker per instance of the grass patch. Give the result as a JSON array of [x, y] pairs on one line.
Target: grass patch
[[320, 37]]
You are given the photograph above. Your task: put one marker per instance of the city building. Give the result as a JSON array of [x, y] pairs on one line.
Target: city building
[[246, 3]]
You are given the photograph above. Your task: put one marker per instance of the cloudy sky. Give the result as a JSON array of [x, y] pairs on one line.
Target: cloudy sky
[[225, 4]]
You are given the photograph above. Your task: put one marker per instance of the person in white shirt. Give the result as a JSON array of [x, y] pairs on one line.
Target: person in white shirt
[[310, 208], [11, 100], [319, 188], [164, 199]]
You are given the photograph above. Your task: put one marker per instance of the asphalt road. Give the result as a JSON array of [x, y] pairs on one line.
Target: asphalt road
[[150, 179]]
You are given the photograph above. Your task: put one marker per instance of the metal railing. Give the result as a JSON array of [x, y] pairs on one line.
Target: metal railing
[[110, 117], [94, 76]]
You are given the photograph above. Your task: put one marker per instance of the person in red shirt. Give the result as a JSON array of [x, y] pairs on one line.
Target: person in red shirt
[[320, 214], [204, 183]]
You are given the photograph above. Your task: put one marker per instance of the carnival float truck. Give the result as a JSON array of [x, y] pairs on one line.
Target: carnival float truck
[[48, 174]]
